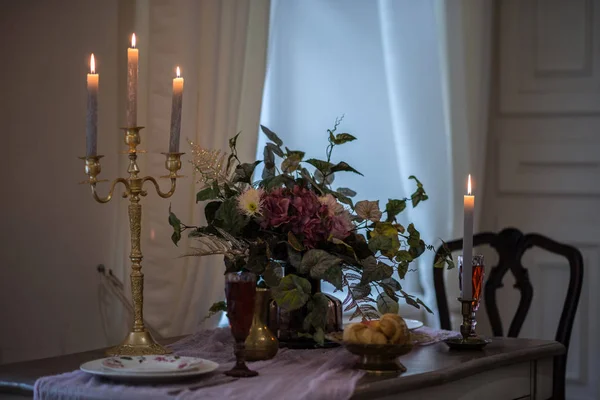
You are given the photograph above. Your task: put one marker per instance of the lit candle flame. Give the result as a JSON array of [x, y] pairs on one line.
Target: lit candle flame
[[178, 72], [133, 40], [469, 186], [92, 64]]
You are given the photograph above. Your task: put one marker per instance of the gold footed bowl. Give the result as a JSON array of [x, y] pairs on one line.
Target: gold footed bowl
[[379, 359], [261, 343]]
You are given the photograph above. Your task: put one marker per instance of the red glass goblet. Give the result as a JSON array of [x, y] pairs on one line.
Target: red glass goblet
[[240, 291]]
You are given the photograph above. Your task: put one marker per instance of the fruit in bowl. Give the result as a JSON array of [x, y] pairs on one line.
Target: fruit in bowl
[[390, 329]]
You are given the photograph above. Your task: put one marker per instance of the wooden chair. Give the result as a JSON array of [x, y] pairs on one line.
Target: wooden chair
[[511, 245]]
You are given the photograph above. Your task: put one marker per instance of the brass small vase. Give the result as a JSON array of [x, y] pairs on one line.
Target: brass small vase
[[261, 344]]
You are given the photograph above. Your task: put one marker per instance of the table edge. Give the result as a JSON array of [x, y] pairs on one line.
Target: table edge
[[440, 377]]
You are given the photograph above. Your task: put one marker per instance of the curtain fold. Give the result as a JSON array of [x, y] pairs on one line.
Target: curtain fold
[[221, 49]]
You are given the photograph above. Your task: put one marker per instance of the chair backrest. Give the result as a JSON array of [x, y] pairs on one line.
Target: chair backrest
[[511, 245]]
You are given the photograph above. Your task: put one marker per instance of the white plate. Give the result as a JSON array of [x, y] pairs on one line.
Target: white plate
[[413, 323], [96, 367], [152, 363]]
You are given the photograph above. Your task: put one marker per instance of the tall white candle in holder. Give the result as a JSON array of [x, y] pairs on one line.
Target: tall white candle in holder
[[176, 113], [91, 128], [467, 268], [132, 83]]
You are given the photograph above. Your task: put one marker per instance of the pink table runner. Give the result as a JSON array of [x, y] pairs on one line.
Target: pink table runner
[[292, 374]]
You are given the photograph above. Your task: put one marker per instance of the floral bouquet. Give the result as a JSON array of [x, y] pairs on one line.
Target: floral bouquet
[[291, 227]]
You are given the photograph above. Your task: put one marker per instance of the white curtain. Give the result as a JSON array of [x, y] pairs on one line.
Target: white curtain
[[221, 48], [417, 105]]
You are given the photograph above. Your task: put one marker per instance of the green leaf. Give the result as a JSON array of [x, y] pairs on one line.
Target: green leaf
[[271, 135], [346, 192], [419, 301], [294, 257], [176, 224], [321, 165], [393, 208], [257, 258], [419, 194], [416, 251], [210, 210], [268, 158], [244, 172], [414, 236], [233, 142], [384, 244], [403, 255], [273, 274], [292, 293], [231, 219], [402, 269], [387, 305], [320, 178], [392, 283], [342, 138], [322, 265], [294, 154], [319, 336], [229, 192], [294, 242], [218, 306], [275, 149], [208, 193], [343, 166], [374, 270], [318, 307]]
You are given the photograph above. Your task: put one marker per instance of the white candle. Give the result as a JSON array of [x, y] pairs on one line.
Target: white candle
[[176, 112], [91, 129], [467, 268], [132, 83]]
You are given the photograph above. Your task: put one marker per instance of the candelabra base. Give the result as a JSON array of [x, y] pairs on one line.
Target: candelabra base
[[138, 344]]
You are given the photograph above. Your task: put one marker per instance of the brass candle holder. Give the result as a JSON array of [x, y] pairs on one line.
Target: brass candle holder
[[139, 341], [469, 340]]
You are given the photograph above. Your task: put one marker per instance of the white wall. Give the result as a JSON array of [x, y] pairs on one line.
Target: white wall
[[53, 233]]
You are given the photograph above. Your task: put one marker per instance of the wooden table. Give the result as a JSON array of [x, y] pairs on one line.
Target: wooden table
[[507, 369]]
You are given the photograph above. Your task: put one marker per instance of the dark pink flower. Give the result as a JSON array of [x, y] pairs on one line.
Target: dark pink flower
[[275, 209], [313, 232]]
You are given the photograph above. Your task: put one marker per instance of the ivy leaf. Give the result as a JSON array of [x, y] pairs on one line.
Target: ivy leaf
[[419, 194], [294, 242], [294, 257], [385, 304], [275, 149], [346, 192], [207, 193], [210, 210], [273, 274], [403, 255], [393, 208], [271, 135], [268, 158], [402, 269], [322, 265], [414, 236], [233, 142], [320, 178], [244, 172], [317, 315], [360, 291], [342, 138], [176, 224], [419, 301], [343, 166], [292, 292], [374, 270], [231, 219], [321, 165], [392, 283]]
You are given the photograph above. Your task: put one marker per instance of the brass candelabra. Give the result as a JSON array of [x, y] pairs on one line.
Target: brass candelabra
[[139, 341]]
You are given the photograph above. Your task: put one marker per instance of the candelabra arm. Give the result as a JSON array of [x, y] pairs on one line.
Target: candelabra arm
[[111, 191], [160, 193]]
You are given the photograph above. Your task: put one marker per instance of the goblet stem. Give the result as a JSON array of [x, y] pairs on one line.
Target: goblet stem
[[240, 369]]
